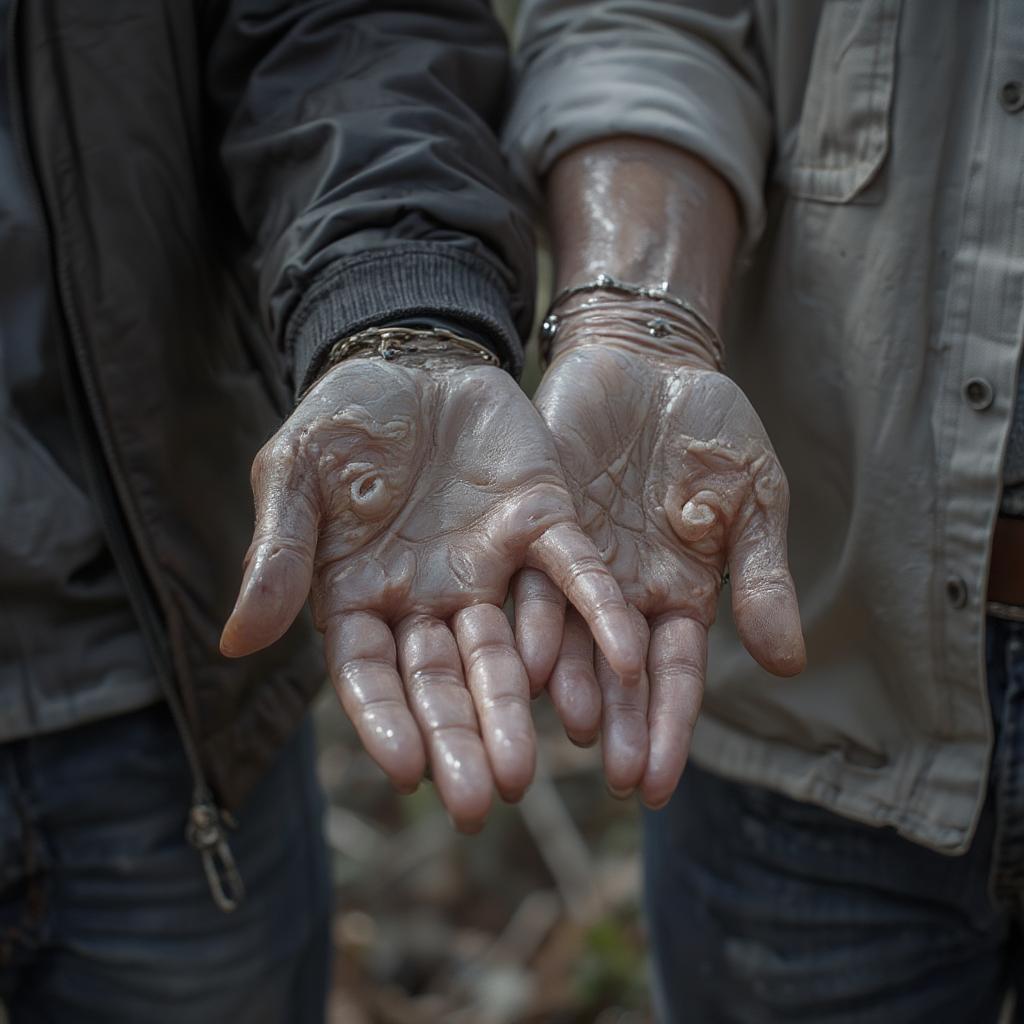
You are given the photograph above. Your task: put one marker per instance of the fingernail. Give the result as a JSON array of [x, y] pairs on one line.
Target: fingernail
[[621, 794], [583, 744], [227, 645], [251, 561]]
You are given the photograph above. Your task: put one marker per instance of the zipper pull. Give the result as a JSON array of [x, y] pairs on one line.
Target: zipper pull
[[205, 833]]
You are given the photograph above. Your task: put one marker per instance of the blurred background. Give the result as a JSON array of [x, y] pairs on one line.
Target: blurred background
[[533, 921]]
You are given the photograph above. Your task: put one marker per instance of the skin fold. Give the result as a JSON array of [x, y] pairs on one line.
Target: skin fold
[[673, 475], [402, 497]]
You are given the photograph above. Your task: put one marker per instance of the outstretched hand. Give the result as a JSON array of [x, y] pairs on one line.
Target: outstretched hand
[[675, 481], [403, 498]]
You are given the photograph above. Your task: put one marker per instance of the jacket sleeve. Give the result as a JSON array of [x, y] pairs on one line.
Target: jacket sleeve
[[358, 141], [685, 72]]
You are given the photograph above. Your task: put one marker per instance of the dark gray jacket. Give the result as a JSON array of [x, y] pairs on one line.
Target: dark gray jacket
[[231, 186]]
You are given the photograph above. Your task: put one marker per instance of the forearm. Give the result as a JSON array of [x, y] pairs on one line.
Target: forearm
[[646, 213], [360, 159]]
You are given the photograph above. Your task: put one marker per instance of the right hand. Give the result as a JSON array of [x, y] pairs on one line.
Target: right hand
[[674, 480]]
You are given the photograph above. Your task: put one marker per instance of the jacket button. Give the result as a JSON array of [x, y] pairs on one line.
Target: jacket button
[[1011, 96], [956, 592], [978, 393]]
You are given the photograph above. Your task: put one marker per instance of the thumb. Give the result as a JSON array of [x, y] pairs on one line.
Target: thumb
[[279, 564], [764, 601]]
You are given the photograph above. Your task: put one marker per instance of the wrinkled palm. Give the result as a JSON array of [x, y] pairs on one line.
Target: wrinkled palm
[[675, 481], [403, 500]]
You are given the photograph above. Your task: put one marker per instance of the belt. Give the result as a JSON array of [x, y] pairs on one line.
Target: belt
[[1006, 564]]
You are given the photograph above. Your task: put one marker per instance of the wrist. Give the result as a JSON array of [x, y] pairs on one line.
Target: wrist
[[431, 349], [668, 361], [646, 321]]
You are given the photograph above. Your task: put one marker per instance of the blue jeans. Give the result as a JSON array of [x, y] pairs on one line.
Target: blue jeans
[[105, 914], [765, 909]]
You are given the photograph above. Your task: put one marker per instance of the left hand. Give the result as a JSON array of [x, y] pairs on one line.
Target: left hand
[[406, 497]]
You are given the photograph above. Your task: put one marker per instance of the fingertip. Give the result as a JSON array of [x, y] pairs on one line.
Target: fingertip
[[234, 641], [274, 589], [625, 760], [659, 783], [513, 777], [788, 656], [655, 803], [470, 815], [577, 702], [539, 662], [769, 626], [783, 656], [229, 646], [466, 826], [405, 767], [513, 794], [623, 649]]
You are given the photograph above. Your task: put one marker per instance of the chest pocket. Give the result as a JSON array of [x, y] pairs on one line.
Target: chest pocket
[[843, 137]]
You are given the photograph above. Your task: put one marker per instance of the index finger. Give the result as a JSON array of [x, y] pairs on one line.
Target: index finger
[[573, 564]]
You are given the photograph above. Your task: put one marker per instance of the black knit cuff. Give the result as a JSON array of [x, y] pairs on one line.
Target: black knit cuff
[[402, 282]]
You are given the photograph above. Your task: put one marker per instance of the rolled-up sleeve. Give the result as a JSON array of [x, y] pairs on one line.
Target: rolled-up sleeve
[[688, 74]]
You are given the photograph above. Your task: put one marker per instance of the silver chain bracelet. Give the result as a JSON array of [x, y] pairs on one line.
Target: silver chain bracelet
[[657, 327], [392, 343]]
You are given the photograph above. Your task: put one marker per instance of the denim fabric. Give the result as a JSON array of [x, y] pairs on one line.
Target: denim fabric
[[765, 909], [105, 914]]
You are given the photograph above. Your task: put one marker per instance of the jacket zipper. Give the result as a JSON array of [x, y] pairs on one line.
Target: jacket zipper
[[206, 828]]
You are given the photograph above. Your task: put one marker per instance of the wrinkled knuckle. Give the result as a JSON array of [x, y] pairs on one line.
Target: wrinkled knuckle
[[371, 707], [259, 466], [676, 665], [752, 586], [433, 679], [624, 710], [542, 596], [357, 667], [491, 651], [455, 731], [504, 702]]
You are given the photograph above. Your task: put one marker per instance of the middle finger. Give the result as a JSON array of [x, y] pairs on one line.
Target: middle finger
[[428, 659], [501, 691]]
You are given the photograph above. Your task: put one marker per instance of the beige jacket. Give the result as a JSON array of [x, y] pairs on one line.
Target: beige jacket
[[877, 149]]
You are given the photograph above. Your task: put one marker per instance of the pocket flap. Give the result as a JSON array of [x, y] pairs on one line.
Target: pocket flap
[[843, 136]]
